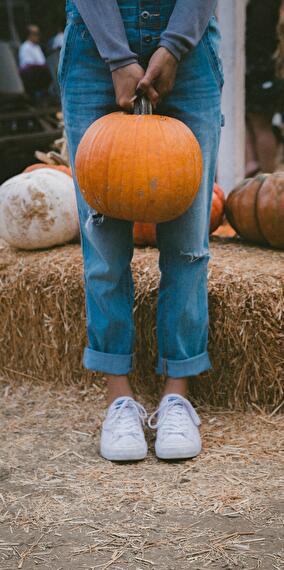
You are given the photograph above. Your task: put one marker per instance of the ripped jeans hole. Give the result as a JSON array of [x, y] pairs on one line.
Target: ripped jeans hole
[[94, 219], [193, 257]]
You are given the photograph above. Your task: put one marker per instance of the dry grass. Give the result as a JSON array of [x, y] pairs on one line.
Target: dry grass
[[43, 321], [63, 507]]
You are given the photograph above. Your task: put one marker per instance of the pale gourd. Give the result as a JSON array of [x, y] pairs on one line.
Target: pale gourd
[[38, 209]]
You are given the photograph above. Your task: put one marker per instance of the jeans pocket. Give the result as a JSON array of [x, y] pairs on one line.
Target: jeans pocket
[[211, 42], [66, 54]]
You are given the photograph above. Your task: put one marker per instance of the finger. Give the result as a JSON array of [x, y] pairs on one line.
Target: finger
[[148, 80], [153, 95], [126, 104], [146, 86]]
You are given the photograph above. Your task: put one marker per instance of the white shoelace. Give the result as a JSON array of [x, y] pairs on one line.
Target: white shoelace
[[128, 423], [175, 413]]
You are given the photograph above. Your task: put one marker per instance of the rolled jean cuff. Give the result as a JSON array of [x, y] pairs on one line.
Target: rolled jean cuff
[[108, 363], [181, 368]]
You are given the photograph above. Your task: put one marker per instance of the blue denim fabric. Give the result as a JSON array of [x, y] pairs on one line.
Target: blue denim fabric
[[87, 94]]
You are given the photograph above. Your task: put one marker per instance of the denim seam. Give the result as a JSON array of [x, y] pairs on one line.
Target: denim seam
[[130, 285], [67, 57], [213, 59], [165, 318], [84, 245], [140, 31]]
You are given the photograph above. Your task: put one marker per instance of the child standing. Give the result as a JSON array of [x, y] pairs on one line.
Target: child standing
[[168, 49]]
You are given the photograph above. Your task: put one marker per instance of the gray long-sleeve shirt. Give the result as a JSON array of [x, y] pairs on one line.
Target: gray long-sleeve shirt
[[186, 26]]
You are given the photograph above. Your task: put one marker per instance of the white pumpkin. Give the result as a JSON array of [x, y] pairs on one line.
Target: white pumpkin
[[38, 209]]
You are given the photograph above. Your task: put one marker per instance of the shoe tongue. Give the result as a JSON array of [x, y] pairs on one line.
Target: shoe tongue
[[118, 403], [175, 399]]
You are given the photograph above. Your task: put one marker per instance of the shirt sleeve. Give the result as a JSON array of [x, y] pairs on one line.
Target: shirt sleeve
[[104, 22], [187, 25]]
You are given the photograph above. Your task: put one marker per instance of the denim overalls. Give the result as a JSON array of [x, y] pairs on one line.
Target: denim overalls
[[87, 94]]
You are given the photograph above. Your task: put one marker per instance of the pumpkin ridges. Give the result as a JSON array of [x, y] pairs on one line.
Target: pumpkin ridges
[[133, 167], [86, 156], [217, 190], [217, 208], [131, 179], [188, 159], [168, 176], [272, 222], [256, 209], [120, 174], [240, 207], [261, 178], [198, 165], [146, 168], [101, 134], [149, 152], [103, 168]]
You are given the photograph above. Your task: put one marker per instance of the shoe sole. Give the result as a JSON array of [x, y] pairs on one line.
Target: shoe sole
[[176, 455], [124, 457]]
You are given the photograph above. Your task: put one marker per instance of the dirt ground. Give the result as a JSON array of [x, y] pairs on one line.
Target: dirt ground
[[63, 507]]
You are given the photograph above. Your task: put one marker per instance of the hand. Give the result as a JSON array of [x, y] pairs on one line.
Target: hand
[[160, 75], [125, 81]]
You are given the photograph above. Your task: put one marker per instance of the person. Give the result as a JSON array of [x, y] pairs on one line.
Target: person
[[169, 51], [263, 91], [32, 62], [56, 41]]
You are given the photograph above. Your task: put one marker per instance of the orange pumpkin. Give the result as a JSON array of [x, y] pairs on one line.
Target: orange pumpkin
[[145, 234], [255, 209], [217, 208], [60, 167], [140, 167]]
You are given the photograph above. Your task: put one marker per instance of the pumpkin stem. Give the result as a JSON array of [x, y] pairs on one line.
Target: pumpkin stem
[[143, 106]]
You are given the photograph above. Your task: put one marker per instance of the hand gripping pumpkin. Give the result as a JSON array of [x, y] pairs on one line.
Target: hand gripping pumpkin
[[139, 167], [255, 209]]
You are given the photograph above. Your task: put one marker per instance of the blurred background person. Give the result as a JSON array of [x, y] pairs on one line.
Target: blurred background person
[[54, 46], [56, 41], [263, 90], [32, 62]]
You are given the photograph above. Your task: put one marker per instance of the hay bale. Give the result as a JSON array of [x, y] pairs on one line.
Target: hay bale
[[43, 321]]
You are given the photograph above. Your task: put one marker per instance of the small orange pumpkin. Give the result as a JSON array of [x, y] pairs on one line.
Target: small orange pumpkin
[[217, 208], [144, 234], [60, 167], [139, 167], [255, 209]]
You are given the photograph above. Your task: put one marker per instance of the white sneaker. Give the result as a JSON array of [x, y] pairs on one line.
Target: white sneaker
[[122, 437], [177, 428]]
